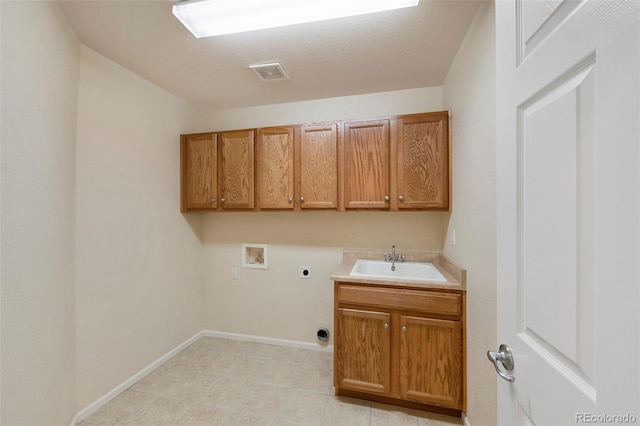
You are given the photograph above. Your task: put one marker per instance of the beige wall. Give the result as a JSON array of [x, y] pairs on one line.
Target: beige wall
[[469, 92], [139, 261], [276, 303], [39, 89]]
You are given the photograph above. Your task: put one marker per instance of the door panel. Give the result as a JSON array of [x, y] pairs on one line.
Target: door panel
[[201, 170], [568, 228], [237, 165], [275, 159], [364, 360], [431, 367], [366, 164], [319, 167]]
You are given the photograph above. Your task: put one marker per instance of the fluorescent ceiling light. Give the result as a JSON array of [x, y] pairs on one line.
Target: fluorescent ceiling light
[[205, 18]]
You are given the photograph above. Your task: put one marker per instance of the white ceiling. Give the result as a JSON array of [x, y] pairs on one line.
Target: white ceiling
[[402, 49]]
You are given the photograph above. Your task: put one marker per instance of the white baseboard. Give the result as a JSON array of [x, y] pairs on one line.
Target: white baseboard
[[465, 420], [268, 340], [105, 399]]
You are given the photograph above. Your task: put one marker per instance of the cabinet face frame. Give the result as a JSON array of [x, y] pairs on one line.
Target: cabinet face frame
[[198, 172], [366, 164], [423, 161], [236, 170], [316, 166], [275, 153]]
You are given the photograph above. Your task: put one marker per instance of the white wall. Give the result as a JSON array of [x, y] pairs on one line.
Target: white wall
[[39, 88], [139, 261], [275, 303], [469, 92]]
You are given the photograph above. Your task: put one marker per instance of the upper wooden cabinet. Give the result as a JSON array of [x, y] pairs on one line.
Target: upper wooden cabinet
[[317, 166], [395, 163], [423, 161], [237, 170], [275, 168], [198, 172], [366, 164]]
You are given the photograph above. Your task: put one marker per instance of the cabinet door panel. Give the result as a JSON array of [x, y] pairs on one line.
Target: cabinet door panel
[[276, 168], [366, 164], [423, 161], [431, 369], [200, 178], [319, 167], [237, 165], [363, 358]]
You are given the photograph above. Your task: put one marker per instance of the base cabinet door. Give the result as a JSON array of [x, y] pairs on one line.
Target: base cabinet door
[[363, 360], [431, 364]]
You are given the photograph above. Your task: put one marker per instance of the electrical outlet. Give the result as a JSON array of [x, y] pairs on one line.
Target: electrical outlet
[[453, 237], [305, 272], [234, 273]]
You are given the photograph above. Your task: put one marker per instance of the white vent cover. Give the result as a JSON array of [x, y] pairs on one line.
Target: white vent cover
[[270, 72]]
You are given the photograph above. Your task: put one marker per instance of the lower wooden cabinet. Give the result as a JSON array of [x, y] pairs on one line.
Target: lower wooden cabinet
[[364, 360], [398, 345]]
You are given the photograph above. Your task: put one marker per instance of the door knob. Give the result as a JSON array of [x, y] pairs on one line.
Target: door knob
[[401, 198], [222, 200], [302, 199], [505, 356], [213, 200], [386, 198]]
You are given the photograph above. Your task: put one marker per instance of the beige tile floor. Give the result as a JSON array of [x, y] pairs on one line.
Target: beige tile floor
[[227, 382]]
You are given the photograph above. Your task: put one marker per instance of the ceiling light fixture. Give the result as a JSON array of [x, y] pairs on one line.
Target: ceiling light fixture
[[205, 18]]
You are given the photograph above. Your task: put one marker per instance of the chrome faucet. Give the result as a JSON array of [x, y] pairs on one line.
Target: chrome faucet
[[393, 258]]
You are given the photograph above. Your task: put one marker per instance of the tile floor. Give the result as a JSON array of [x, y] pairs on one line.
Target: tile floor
[[228, 382]]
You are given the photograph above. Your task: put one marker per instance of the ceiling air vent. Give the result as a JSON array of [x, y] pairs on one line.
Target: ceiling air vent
[[270, 72]]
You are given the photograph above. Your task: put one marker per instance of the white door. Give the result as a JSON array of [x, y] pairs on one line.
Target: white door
[[568, 164]]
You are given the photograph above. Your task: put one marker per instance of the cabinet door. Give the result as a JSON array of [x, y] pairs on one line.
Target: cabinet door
[[318, 167], [363, 358], [237, 165], [199, 172], [366, 164], [275, 163], [423, 161], [431, 361]]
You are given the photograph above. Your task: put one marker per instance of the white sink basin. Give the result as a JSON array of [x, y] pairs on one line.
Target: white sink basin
[[406, 271]]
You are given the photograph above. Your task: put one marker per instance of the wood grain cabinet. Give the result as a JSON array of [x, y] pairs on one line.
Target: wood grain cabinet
[[275, 168], [237, 170], [198, 172], [317, 166], [366, 164], [394, 163], [400, 345], [423, 161]]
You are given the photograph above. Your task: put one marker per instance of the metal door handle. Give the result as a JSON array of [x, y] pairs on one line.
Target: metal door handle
[[505, 356]]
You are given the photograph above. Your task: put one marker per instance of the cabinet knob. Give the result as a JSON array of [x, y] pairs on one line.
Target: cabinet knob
[[386, 326], [401, 198], [404, 328], [386, 198], [290, 200], [213, 200], [222, 200], [302, 199]]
